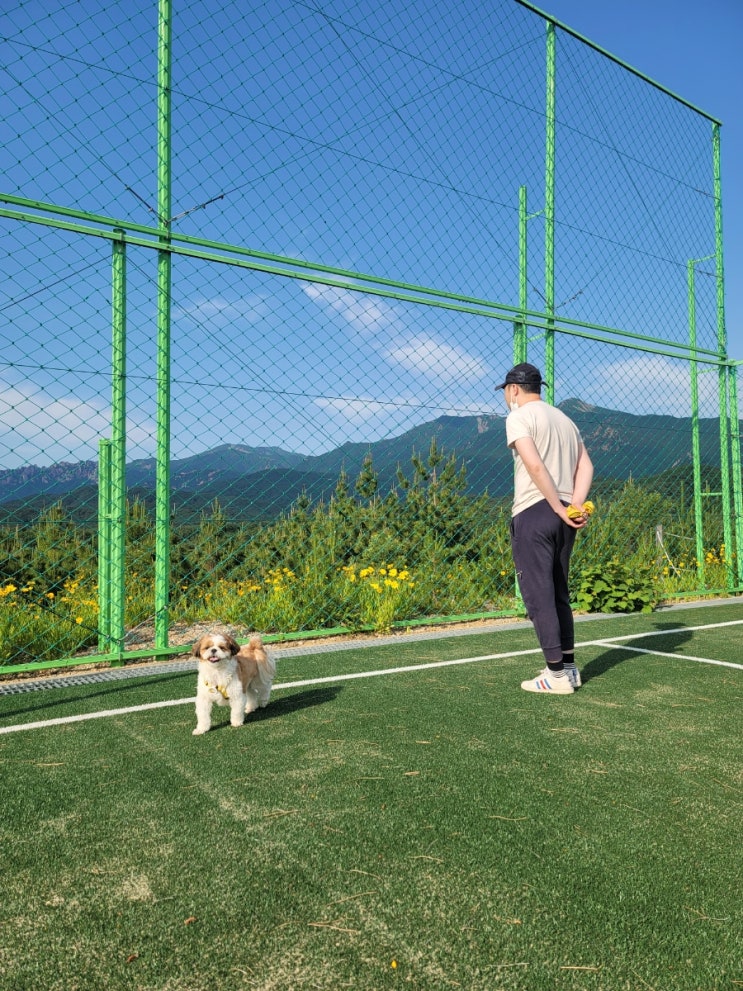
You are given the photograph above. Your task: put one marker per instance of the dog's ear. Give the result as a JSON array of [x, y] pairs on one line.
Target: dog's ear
[[196, 649], [232, 645]]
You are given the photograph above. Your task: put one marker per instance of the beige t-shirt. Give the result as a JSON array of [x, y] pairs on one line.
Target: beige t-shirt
[[558, 442]]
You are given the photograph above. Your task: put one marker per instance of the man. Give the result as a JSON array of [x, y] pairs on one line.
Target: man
[[552, 471]]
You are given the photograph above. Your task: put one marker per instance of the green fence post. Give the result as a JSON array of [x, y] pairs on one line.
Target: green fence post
[[164, 280], [725, 475], [519, 327], [736, 471], [549, 217], [695, 450], [723, 373], [104, 546], [118, 445]]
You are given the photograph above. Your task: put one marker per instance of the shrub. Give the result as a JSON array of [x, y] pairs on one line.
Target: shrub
[[617, 587], [376, 597]]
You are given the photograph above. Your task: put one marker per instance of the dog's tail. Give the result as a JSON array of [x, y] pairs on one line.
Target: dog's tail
[[264, 658], [255, 646]]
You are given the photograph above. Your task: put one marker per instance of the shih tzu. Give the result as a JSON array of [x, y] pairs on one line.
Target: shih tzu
[[240, 677]]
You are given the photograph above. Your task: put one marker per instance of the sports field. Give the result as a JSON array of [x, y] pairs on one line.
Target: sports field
[[401, 815]]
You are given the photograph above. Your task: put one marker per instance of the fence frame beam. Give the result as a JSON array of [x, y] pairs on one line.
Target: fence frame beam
[[164, 284]]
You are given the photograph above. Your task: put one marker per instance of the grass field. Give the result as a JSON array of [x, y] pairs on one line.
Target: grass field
[[431, 828]]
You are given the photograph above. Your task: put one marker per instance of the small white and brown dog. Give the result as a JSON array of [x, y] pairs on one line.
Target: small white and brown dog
[[240, 677]]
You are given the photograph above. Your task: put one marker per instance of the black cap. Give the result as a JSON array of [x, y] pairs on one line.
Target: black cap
[[523, 374]]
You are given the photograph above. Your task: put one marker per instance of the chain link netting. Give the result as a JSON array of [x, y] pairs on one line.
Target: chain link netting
[[373, 211]]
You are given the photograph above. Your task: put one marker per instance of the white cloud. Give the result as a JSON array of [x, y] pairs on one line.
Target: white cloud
[[438, 360], [418, 353], [250, 308], [356, 409], [361, 311], [39, 428], [404, 410], [648, 384]]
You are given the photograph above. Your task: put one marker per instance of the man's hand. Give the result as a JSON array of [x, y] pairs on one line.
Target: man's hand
[[577, 516], [577, 520]]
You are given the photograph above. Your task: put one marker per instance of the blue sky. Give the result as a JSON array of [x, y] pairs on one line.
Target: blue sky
[[693, 49], [385, 137]]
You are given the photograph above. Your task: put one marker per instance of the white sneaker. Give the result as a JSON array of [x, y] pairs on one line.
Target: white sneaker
[[574, 676], [546, 684]]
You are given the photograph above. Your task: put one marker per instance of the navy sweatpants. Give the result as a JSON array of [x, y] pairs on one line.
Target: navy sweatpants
[[541, 545]]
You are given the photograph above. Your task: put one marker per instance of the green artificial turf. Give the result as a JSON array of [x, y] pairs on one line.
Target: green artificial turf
[[426, 830]]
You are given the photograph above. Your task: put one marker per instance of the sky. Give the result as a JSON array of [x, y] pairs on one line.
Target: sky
[[389, 138], [692, 49]]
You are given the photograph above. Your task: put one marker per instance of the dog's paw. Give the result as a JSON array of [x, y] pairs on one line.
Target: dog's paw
[[199, 731]]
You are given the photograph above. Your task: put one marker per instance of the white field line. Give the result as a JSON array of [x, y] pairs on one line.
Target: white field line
[[663, 653], [63, 720], [611, 643]]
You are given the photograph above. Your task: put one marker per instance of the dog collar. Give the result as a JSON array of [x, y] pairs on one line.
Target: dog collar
[[222, 689]]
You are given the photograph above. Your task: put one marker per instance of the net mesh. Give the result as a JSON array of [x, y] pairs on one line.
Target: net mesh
[[366, 190]]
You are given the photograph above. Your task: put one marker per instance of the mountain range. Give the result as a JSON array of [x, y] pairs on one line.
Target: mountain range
[[261, 482]]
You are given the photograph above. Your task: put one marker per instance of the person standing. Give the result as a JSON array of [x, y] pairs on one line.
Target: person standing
[[552, 471]]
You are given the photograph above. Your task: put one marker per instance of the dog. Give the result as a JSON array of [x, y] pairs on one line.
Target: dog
[[240, 677]]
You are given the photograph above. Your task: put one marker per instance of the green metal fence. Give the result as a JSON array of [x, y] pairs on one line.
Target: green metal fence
[[263, 269]]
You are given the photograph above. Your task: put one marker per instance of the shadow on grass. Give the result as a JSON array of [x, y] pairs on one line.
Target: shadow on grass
[[292, 703], [617, 655], [282, 706], [110, 689], [276, 707]]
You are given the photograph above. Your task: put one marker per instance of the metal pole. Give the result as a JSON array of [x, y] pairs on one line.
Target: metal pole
[[104, 546], [549, 216], [723, 374], [118, 445], [164, 280], [737, 468], [695, 451], [520, 336], [520, 332]]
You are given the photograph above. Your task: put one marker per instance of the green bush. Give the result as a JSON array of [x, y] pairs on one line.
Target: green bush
[[293, 573], [617, 587]]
